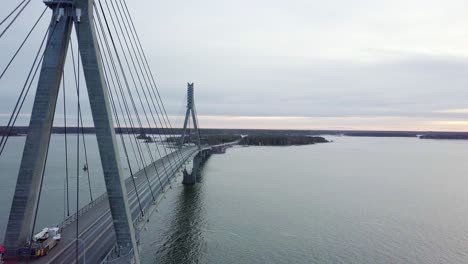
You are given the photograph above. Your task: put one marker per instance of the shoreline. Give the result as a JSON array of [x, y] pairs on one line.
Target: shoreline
[[449, 135]]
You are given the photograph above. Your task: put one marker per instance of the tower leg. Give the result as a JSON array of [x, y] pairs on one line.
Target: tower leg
[[184, 130], [195, 126], [28, 184], [105, 133]]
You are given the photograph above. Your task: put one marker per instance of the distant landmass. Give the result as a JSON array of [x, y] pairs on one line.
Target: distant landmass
[[258, 140], [281, 140], [23, 130], [418, 134], [454, 135]]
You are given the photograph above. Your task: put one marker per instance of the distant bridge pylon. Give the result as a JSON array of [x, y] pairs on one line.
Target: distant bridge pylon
[[191, 111]]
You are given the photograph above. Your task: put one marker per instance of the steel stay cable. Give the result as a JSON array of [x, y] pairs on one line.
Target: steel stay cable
[[12, 12], [145, 81], [189, 140], [128, 115], [170, 161], [183, 112], [79, 118], [5, 139], [128, 160], [155, 90], [131, 138], [198, 123], [25, 91], [127, 109], [122, 68], [86, 156], [81, 123], [66, 143], [133, 79], [138, 76], [119, 127], [139, 59], [40, 192], [14, 19], [121, 109], [50, 134], [147, 69], [77, 144], [113, 83], [179, 119], [178, 154], [22, 44]]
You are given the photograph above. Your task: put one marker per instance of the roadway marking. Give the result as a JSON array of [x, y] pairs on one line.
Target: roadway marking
[[81, 234], [141, 186]]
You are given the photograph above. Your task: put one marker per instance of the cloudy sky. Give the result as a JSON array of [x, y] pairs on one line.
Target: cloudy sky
[[299, 64]]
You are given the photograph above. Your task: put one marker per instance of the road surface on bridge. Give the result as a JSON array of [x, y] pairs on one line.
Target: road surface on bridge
[[96, 231]]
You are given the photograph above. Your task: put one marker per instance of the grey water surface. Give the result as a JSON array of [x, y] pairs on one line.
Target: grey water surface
[[356, 200]]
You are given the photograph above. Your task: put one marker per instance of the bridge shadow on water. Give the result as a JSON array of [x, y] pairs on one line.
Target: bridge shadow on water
[[184, 241]]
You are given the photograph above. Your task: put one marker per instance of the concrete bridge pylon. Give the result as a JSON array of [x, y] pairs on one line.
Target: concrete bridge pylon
[[191, 111], [67, 13]]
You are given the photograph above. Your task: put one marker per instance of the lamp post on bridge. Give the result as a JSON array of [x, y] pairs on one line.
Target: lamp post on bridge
[[84, 250]]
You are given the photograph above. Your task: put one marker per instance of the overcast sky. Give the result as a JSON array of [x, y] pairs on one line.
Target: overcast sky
[[299, 64]]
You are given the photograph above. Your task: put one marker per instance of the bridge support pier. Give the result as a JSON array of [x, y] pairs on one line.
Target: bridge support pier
[[189, 178], [198, 162]]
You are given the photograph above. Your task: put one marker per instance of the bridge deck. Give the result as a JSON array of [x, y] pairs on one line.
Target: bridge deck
[[96, 232]]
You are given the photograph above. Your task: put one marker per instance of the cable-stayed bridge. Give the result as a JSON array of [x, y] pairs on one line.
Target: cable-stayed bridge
[[106, 57]]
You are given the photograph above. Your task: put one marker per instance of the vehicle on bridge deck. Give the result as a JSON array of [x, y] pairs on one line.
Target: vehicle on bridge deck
[[42, 243]]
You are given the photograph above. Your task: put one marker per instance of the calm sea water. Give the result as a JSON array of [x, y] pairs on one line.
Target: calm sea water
[[356, 200]]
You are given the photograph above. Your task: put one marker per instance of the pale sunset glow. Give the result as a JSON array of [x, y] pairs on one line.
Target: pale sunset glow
[[330, 123], [301, 64]]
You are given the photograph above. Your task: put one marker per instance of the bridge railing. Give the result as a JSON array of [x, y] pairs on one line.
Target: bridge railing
[[114, 256], [227, 144], [72, 218]]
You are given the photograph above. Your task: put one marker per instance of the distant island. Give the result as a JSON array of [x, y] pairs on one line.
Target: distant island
[[281, 140], [258, 140], [145, 137], [455, 136], [218, 135], [208, 140], [8, 133]]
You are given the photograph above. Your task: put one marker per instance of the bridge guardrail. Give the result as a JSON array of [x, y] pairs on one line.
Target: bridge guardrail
[[72, 218], [114, 257]]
